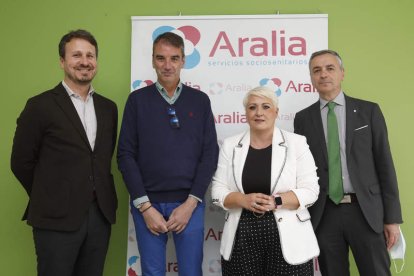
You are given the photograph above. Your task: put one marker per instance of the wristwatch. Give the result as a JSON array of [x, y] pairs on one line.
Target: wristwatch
[[278, 201]]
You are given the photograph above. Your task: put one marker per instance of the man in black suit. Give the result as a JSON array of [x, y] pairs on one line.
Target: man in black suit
[[62, 152], [367, 214]]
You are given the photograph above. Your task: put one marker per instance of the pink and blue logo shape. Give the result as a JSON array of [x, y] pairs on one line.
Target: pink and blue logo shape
[[273, 83], [216, 88], [214, 266], [131, 262], [191, 37], [137, 84]]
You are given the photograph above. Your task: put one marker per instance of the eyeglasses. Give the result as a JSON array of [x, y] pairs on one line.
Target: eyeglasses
[[174, 122]]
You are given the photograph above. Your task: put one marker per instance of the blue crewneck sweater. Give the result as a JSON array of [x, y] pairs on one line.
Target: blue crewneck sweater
[[159, 161]]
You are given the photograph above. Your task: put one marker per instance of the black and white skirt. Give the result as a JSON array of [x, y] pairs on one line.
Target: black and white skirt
[[257, 250]]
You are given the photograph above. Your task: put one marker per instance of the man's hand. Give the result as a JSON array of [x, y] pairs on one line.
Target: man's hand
[[155, 221], [181, 215], [392, 233]]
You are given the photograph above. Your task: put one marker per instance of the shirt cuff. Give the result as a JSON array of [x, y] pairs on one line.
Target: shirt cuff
[[198, 199], [140, 200]]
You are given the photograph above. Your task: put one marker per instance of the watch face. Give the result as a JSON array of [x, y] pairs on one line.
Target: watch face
[[278, 201]]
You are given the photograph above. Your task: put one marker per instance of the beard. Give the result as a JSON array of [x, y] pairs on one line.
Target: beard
[[80, 77]]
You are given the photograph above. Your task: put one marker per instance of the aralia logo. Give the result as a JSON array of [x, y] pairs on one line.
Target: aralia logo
[[274, 84], [277, 43], [291, 86], [217, 88], [137, 84], [191, 37]]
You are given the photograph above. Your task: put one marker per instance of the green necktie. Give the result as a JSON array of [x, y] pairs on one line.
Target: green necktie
[[336, 192]]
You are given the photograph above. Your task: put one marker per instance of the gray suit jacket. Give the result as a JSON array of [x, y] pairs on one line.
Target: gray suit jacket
[[369, 161]]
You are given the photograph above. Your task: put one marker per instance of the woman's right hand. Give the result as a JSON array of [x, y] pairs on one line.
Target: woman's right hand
[[258, 202]]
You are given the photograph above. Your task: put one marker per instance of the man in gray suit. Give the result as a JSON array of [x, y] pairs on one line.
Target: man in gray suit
[[367, 214]]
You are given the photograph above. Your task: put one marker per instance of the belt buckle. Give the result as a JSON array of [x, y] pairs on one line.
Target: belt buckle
[[346, 199]]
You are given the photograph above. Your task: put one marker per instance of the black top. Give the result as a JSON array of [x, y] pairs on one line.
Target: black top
[[257, 171]]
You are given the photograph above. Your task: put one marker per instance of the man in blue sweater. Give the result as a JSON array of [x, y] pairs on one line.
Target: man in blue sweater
[[167, 154]]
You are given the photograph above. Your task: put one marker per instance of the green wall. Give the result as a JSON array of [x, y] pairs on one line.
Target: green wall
[[374, 37]]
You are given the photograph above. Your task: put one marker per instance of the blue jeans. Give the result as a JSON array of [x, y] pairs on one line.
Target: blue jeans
[[188, 244]]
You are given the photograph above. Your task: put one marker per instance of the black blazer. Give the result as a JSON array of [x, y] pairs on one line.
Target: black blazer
[[369, 160], [54, 162]]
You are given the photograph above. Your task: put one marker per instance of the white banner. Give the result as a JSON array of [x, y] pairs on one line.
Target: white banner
[[226, 56]]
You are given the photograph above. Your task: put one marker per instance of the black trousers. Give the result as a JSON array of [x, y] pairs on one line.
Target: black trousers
[[342, 227], [77, 253]]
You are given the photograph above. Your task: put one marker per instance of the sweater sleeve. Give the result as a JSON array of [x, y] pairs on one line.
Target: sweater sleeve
[[128, 150], [208, 162]]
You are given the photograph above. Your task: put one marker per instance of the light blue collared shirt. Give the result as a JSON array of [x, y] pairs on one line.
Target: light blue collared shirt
[[340, 112], [164, 92]]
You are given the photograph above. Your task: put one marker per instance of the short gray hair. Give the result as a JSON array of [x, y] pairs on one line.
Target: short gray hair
[[262, 92], [170, 38], [329, 52]]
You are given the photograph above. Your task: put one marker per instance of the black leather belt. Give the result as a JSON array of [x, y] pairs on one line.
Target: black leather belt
[[349, 198]]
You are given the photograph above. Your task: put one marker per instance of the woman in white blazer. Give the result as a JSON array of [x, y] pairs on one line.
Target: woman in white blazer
[[265, 180]]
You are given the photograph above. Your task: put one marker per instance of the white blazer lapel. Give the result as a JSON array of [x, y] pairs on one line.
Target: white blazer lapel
[[240, 153], [279, 155]]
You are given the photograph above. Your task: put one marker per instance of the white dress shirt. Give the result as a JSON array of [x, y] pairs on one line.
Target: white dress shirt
[[86, 112]]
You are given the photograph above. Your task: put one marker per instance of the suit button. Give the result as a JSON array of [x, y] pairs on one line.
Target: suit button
[[91, 177]]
